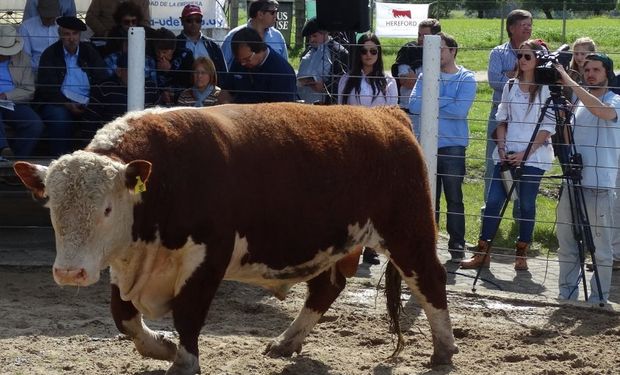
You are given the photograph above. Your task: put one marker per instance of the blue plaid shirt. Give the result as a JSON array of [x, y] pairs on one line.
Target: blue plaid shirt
[[502, 59], [150, 66]]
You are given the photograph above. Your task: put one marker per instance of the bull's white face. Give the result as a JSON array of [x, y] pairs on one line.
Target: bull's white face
[[91, 209]]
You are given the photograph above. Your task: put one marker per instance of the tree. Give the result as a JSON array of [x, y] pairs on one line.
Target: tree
[[480, 6], [548, 6]]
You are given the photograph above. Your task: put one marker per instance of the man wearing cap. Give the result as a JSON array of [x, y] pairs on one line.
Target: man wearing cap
[[192, 38], [67, 8], [263, 15], [258, 73], [322, 64], [596, 134], [16, 89], [67, 69], [40, 31]]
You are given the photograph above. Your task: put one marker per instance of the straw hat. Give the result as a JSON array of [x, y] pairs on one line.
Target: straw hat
[[10, 42]]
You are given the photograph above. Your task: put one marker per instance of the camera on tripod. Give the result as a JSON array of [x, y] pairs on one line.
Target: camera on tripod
[[545, 72]]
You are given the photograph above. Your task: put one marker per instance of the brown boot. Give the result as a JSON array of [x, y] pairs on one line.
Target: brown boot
[[521, 258], [481, 258]]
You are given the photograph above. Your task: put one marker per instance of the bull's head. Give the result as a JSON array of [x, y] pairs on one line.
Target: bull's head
[[91, 199]]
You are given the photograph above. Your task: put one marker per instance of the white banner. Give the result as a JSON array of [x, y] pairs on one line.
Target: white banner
[[399, 20], [167, 13]]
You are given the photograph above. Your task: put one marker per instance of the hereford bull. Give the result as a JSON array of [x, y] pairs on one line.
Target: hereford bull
[[174, 201]]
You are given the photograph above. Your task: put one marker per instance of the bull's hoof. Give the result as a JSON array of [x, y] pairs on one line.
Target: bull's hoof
[[184, 364], [277, 349], [443, 357], [157, 345]]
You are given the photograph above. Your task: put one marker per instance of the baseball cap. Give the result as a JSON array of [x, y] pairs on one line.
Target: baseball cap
[[48, 8], [190, 9], [607, 63]]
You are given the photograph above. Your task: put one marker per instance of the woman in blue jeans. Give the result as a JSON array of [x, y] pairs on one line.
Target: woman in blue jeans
[[517, 116]]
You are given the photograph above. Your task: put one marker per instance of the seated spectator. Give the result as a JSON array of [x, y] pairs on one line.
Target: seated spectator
[[258, 74], [67, 9], [67, 70], [112, 61], [174, 66], [205, 91], [321, 66], [192, 38], [16, 88], [40, 31], [100, 15], [262, 14], [108, 100], [127, 14]]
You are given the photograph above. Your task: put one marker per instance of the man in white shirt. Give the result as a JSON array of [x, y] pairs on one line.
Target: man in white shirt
[[40, 31], [596, 134]]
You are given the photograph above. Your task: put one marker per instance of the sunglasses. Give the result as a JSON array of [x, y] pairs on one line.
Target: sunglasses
[[193, 20], [130, 21], [372, 51], [272, 12], [527, 57]]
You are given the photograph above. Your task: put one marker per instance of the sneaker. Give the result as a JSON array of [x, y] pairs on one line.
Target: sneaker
[[370, 256], [457, 253]]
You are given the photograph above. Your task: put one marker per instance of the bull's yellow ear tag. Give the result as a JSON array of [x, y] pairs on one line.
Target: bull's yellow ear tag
[[140, 186]]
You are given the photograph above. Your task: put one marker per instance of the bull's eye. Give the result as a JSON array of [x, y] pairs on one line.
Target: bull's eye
[[107, 211]]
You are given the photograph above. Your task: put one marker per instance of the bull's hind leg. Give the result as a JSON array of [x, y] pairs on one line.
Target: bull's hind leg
[[426, 278], [322, 292], [128, 320]]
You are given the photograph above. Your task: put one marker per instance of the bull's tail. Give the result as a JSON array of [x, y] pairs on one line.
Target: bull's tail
[[394, 306]]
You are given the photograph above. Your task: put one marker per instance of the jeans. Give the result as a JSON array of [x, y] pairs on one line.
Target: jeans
[[527, 190], [60, 127], [489, 164], [450, 173], [28, 128], [599, 205]]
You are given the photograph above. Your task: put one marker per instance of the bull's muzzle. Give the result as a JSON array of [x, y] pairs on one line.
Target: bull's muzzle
[[71, 276]]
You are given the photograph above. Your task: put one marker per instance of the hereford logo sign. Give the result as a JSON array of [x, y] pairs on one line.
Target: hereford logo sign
[[401, 13], [399, 20]]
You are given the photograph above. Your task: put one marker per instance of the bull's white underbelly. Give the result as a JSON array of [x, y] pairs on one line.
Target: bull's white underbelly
[[152, 275]]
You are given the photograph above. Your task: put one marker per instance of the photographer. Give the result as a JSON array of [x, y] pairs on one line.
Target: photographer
[[596, 134], [517, 115]]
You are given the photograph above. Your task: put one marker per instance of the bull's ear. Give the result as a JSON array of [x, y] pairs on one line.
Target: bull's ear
[[136, 175], [32, 175]]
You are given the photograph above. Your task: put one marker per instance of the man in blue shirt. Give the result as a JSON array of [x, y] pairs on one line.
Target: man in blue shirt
[[258, 74], [67, 69], [456, 95], [502, 67], [262, 15]]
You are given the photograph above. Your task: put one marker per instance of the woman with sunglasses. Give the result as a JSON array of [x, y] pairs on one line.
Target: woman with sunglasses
[[517, 115], [366, 84]]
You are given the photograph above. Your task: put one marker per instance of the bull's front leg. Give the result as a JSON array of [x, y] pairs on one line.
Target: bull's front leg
[[128, 320], [322, 292]]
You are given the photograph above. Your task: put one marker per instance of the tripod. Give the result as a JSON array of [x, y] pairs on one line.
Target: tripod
[[571, 165]]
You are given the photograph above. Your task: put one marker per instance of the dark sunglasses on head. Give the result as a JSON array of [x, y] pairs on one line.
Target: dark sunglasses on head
[[527, 57], [373, 51], [193, 20]]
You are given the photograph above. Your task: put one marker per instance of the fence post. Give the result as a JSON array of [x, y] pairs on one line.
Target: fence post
[[135, 69], [429, 118], [563, 22]]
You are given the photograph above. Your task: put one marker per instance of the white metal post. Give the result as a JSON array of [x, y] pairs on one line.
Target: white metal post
[[429, 118], [135, 69]]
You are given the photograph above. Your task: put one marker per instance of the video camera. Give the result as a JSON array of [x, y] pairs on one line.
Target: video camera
[[545, 73]]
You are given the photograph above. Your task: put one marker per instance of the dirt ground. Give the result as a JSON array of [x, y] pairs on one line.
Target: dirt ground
[[45, 329]]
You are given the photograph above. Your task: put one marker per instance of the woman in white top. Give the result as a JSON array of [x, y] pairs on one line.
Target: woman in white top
[[517, 116], [366, 84]]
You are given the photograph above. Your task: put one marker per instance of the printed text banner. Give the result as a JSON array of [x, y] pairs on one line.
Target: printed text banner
[[167, 13], [399, 20]]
